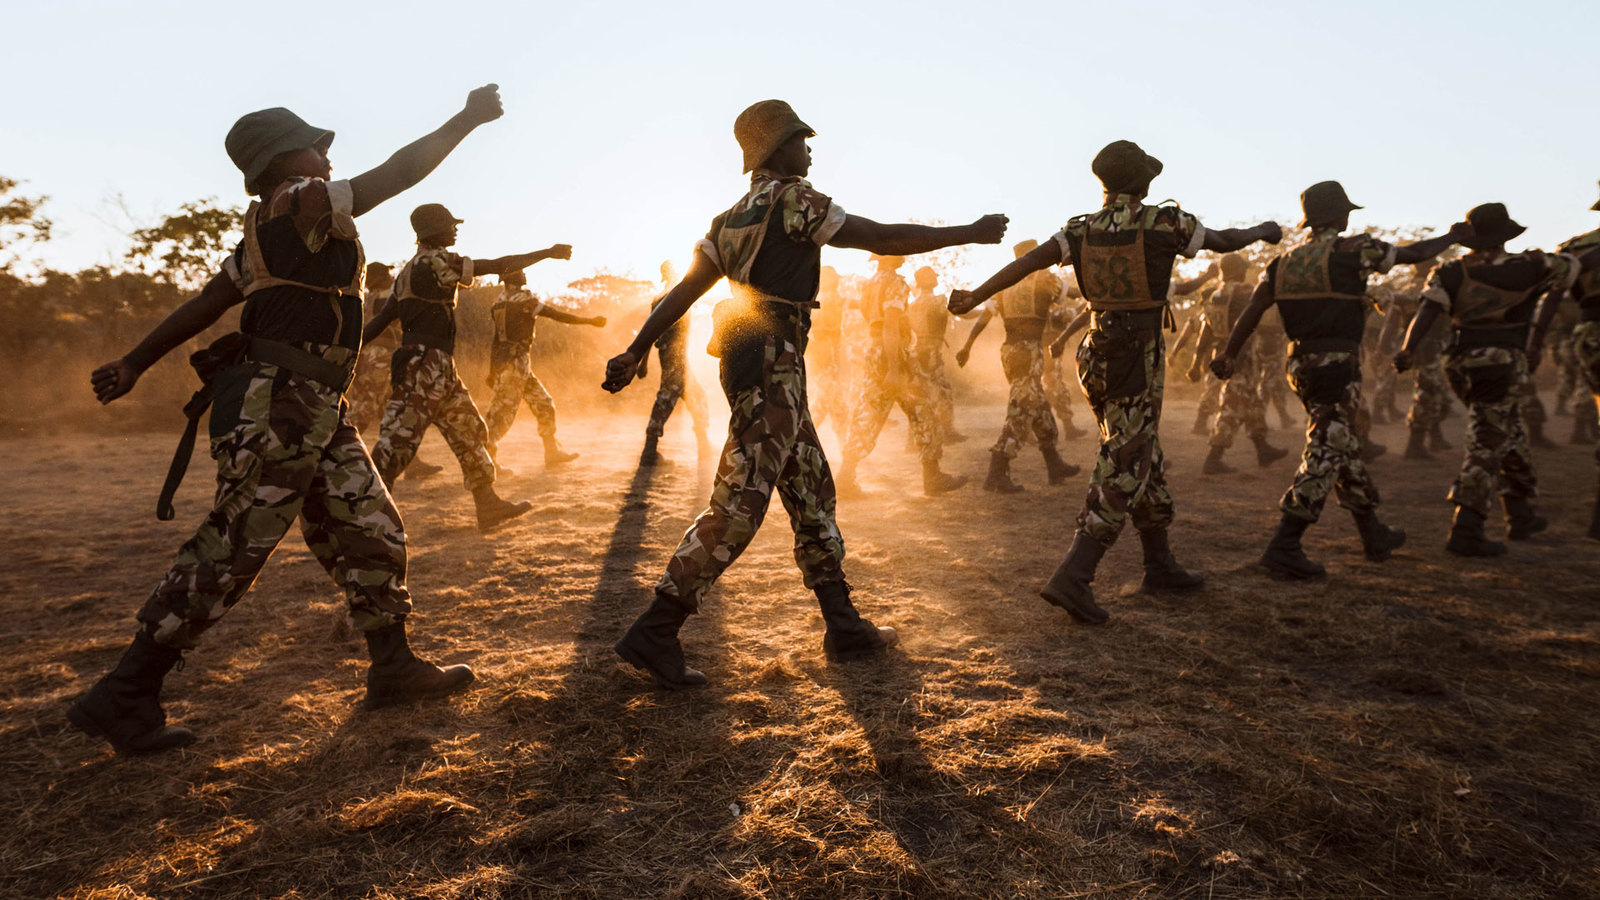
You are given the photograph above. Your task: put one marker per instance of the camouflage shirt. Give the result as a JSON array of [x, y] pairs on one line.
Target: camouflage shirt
[[1099, 247], [426, 293], [772, 239], [1584, 251], [515, 314], [930, 320]]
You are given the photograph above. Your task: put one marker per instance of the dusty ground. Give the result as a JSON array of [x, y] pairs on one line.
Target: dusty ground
[[1421, 728]]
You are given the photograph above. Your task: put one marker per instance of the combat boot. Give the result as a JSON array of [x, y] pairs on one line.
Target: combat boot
[[1214, 464], [1536, 436], [1417, 445], [1285, 556], [1371, 450], [1467, 538], [999, 478], [1058, 469], [1161, 569], [1266, 454], [1521, 520], [494, 510], [1070, 431], [937, 482], [398, 676], [651, 644], [553, 454], [1436, 441], [1378, 540], [849, 637], [420, 469], [650, 455], [1070, 586], [955, 437], [123, 706]]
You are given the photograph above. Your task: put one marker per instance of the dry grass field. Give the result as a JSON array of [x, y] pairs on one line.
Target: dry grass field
[[1421, 728]]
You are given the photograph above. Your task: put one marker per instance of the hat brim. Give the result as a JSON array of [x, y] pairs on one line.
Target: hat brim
[[1596, 206], [299, 137], [754, 157], [1484, 241]]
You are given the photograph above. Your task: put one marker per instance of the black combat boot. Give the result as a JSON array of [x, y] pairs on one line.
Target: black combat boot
[[398, 676], [420, 469], [123, 708], [1371, 450], [1069, 588], [849, 637], [651, 644], [1436, 441], [1161, 569], [1417, 445], [494, 510], [650, 455], [1266, 454], [1214, 464], [1284, 556], [1521, 520], [1378, 540], [1467, 538], [1058, 469], [937, 482], [553, 454], [999, 479], [1070, 431]]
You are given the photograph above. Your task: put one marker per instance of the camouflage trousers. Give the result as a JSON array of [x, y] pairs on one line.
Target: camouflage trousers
[[1430, 397], [284, 451], [930, 367], [1057, 388], [1123, 374], [427, 392], [1329, 387], [369, 392], [772, 446], [913, 395], [514, 384], [1569, 381], [831, 386], [677, 384], [1497, 459], [1210, 399], [1027, 407], [1385, 387], [1586, 354], [1242, 405]]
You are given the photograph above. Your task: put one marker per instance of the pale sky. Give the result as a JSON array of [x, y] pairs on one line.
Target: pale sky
[[618, 139]]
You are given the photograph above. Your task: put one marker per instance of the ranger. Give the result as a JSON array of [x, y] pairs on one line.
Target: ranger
[[515, 315]]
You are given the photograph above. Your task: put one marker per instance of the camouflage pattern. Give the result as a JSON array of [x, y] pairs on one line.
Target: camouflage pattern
[[284, 451], [929, 313], [1497, 458], [369, 392], [1569, 372], [677, 384], [876, 397], [1027, 407], [1210, 398], [1430, 397], [1586, 351], [429, 392], [1130, 471], [514, 384], [1057, 387], [1240, 404], [1331, 461], [772, 446]]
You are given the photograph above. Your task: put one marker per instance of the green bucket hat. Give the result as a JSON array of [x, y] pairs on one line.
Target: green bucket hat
[[1491, 225], [430, 219], [257, 137], [1124, 168], [763, 127], [1323, 203]]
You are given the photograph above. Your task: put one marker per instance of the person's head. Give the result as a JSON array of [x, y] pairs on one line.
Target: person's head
[[927, 278], [1124, 168], [515, 278], [378, 276], [772, 137], [1024, 248], [828, 280], [1234, 267], [434, 225], [1492, 226], [270, 146], [1326, 205], [887, 264], [669, 274]]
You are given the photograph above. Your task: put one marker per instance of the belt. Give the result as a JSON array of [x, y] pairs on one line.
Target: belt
[[302, 362], [1132, 319], [1514, 337], [1324, 345], [429, 339]]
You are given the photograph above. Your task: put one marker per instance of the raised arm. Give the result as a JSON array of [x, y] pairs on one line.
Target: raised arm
[[622, 368], [1045, 255], [118, 377], [515, 263], [1228, 240], [1410, 254], [1260, 301], [972, 336], [412, 163], [861, 233]]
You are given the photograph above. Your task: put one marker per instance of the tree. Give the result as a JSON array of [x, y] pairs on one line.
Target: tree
[[20, 221], [185, 248]]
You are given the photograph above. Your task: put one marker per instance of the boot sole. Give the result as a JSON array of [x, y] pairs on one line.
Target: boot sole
[[1086, 616], [523, 509], [1282, 571], [370, 702], [88, 725], [633, 658]]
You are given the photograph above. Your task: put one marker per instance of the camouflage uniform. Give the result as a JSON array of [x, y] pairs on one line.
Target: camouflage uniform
[[1057, 387], [1122, 361], [370, 391], [930, 325], [1024, 310], [772, 444], [515, 315], [886, 291], [1490, 298], [1320, 289], [1580, 252], [828, 358], [1241, 405], [283, 445], [1430, 392], [672, 350], [427, 390]]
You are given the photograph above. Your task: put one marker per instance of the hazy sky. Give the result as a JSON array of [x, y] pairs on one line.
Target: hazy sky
[[617, 136]]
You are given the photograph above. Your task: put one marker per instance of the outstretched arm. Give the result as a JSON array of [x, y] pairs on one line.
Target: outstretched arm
[[412, 163], [622, 368], [1260, 302], [860, 233], [1230, 239], [1043, 256], [386, 314], [1189, 286], [118, 377], [1421, 324], [965, 352], [1410, 254], [517, 262], [566, 318]]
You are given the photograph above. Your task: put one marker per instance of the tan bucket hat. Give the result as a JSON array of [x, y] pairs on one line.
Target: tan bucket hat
[[763, 127]]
